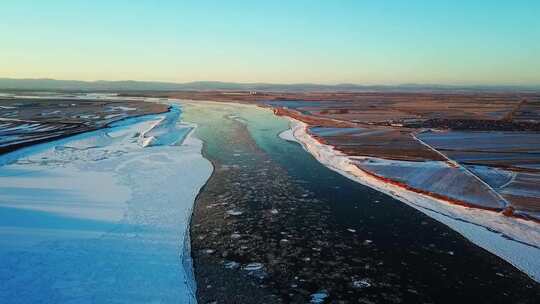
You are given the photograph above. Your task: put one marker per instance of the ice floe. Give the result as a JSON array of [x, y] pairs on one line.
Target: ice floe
[[319, 297], [234, 212], [288, 135], [165, 131]]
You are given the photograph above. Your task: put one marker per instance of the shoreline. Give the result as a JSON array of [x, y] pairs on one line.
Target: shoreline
[[273, 224], [527, 233], [83, 127], [146, 240], [186, 253]]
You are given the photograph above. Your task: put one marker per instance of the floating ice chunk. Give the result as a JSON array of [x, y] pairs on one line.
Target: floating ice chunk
[[288, 135], [256, 270], [253, 266], [362, 283], [234, 212], [208, 251], [231, 265], [51, 113], [319, 297]]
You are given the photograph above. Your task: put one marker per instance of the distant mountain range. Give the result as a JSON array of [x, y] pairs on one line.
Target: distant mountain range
[[130, 85]]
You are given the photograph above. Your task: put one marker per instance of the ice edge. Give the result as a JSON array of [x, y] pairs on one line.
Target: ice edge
[[515, 240]]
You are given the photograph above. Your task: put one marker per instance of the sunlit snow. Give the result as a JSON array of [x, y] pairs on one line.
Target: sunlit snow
[[98, 217]]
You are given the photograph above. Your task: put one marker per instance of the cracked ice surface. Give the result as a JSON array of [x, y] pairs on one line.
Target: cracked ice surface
[[98, 218]]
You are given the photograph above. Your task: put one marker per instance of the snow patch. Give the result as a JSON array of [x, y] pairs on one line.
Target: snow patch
[[514, 240], [165, 131], [288, 135], [97, 218]]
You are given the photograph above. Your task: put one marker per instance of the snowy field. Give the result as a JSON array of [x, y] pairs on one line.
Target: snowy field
[[102, 217], [435, 177], [515, 240]]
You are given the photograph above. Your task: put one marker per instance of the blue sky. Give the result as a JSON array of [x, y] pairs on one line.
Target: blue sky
[[366, 42]]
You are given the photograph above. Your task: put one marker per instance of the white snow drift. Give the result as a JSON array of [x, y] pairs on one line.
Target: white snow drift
[[102, 217], [515, 240]]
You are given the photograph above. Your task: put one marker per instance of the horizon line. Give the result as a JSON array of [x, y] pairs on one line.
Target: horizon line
[[337, 84]]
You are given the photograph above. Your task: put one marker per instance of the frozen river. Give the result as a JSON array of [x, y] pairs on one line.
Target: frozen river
[[277, 226], [102, 217]]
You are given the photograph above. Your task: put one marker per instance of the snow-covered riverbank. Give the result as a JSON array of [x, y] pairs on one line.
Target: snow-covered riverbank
[[102, 216], [515, 240]]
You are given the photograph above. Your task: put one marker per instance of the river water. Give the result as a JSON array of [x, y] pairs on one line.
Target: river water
[[273, 225]]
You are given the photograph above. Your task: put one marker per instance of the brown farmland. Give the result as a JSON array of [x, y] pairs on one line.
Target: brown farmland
[[413, 127], [26, 121]]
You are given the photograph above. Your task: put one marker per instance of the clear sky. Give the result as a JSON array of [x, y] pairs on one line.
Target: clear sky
[[364, 42]]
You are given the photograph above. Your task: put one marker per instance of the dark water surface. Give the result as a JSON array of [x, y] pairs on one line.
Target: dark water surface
[[273, 225]]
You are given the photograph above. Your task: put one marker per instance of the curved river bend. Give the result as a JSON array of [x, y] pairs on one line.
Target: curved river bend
[[273, 225]]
